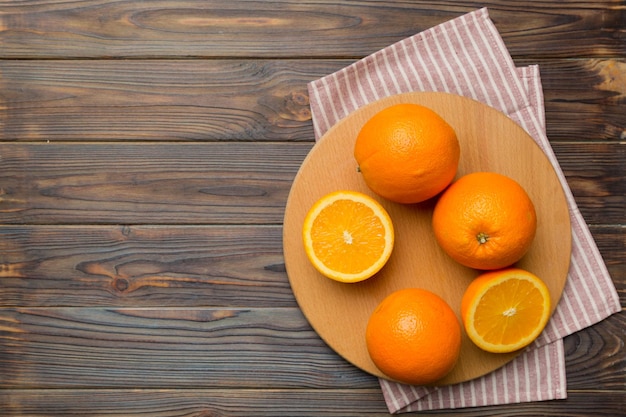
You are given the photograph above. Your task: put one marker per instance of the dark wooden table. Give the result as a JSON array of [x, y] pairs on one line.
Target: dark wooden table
[[147, 149]]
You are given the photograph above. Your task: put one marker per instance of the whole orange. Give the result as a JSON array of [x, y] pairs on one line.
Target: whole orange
[[407, 153], [413, 336], [485, 220]]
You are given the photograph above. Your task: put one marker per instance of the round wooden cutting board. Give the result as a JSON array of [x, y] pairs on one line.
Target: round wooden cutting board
[[490, 141]]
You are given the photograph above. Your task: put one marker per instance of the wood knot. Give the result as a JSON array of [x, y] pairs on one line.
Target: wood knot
[[126, 231], [297, 104], [613, 76], [290, 108], [121, 284], [300, 98]]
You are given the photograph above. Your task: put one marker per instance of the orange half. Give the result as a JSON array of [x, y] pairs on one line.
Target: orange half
[[505, 310], [348, 236]]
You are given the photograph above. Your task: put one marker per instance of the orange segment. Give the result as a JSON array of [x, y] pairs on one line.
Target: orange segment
[[505, 310], [348, 236]]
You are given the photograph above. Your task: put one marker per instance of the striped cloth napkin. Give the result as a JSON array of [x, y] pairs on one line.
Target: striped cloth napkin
[[466, 56]]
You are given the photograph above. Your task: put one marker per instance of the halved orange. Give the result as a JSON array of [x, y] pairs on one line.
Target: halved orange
[[348, 236], [505, 310]]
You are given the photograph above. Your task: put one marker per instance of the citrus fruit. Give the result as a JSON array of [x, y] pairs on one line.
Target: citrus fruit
[[407, 153], [348, 236], [413, 336], [505, 310], [485, 220]]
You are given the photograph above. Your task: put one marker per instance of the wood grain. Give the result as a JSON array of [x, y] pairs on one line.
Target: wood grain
[[598, 350], [173, 100], [271, 403], [596, 191], [611, 240], [168, 347], [593, 90], [143, 266], [289, 28], [172, 183], [249, 99]]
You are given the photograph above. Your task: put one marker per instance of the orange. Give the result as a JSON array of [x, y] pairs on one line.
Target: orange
[[348, 236], [505, 310], [413, 336], [485, 220], [407, 153]]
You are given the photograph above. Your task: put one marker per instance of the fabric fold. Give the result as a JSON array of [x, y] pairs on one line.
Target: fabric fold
[[467, 56]]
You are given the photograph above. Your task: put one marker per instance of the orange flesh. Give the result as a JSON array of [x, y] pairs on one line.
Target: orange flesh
[[508, 312], [344, 244]]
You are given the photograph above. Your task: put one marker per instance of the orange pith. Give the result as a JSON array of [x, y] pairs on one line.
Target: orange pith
[[407, 153], [348, 236], [485, 220], [413, 336], [505, 310]]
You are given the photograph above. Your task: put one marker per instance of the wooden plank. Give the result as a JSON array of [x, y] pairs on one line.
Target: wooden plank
[[141, 183], [168, 347], [260, 100], [599, 194], [593, 91], [603, 355], [289, 28], [269, 348], [257, 403], [613, 251], [168, 266], [156, 100], [195, 402], [234, 183], [143, 266]]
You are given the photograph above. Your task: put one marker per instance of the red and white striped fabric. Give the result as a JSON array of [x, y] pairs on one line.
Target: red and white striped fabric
[[467, 56]]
